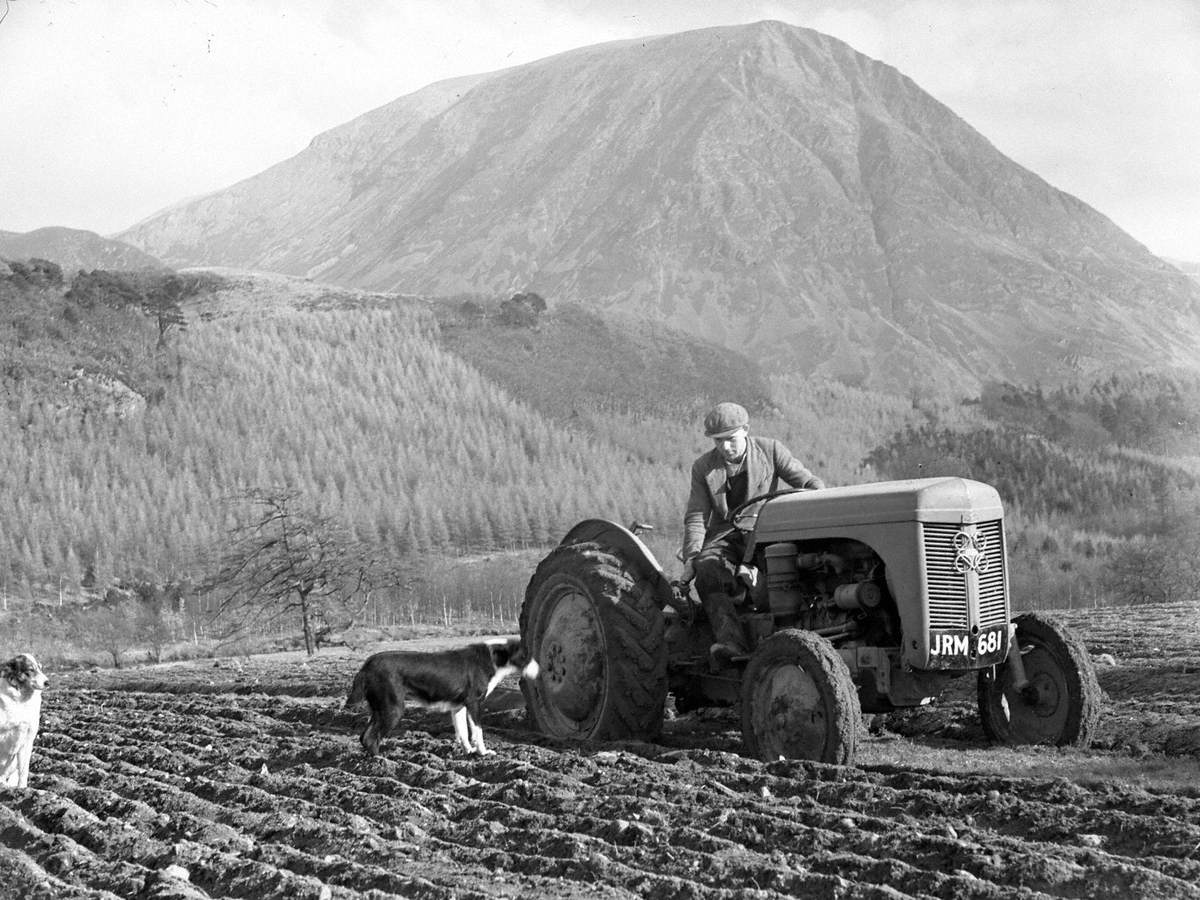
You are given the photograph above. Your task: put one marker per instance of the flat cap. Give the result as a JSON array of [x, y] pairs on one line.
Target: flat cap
[[724, 419]]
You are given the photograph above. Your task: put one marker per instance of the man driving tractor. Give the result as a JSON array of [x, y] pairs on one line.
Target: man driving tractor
[[738, 468]]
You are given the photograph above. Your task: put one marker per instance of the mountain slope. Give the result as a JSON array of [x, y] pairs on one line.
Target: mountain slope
[[74, 249], [764, 186]]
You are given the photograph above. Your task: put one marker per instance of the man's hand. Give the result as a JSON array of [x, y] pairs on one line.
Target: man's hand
[[689, 572]]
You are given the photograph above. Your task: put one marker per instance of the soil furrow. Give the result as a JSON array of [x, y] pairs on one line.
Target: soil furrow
[[246, 780]]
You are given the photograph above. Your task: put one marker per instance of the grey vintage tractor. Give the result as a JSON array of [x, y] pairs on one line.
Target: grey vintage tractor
[[871, 598]]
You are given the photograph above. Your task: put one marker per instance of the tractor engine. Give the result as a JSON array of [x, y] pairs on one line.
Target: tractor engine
[[834, 588]]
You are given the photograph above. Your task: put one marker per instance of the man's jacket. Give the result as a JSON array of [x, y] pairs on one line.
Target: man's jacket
[[768, 462]]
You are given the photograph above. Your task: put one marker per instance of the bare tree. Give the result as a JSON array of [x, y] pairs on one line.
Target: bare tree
[[162, 302], [108, 626], [288, 562], [158, 625], [1162, 569], [1156, 571]]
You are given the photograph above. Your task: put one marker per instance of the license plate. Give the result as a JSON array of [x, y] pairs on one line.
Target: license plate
[[963, 650]]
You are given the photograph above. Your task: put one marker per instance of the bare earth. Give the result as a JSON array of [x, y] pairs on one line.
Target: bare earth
[[245, 779]]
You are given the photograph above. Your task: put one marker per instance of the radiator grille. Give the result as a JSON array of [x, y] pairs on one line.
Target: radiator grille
[[949, 590]]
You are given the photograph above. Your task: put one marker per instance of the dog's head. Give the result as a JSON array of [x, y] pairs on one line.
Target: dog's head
[[24, 674], [512, 654]]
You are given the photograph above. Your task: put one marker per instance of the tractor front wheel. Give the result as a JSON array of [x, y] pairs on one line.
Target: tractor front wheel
[[799, 702], [1060, 703]]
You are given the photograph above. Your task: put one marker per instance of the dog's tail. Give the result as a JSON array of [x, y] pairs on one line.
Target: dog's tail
[[358, 691]]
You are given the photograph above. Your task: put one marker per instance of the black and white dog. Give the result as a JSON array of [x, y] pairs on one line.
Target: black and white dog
[[455, 681], [21, 684]]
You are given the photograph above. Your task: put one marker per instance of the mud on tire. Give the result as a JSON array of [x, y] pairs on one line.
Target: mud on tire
[[1060, 706], [596, 629], [799, 701]]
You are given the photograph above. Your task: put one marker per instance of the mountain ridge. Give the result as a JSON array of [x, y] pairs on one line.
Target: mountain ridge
[[765, 187], [73, 249]]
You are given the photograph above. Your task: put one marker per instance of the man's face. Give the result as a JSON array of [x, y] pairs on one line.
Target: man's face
[[732, 448]]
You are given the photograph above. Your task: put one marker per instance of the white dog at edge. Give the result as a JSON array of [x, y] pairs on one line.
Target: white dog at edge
[[21, 684]]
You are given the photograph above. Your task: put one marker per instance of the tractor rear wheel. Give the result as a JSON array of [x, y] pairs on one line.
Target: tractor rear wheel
[[596, 628], [798, 701], [1060, 705]]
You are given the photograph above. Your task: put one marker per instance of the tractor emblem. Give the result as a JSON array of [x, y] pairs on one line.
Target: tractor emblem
[[970, 553]]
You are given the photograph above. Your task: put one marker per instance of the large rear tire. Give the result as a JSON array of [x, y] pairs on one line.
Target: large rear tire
[[799, 701], [1061, 704], [596, 629]]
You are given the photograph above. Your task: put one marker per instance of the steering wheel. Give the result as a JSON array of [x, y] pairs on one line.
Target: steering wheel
[[743, 511]]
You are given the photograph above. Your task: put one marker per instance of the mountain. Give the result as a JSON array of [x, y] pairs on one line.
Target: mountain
[[74, 249], [1190, 269], [765, 187]]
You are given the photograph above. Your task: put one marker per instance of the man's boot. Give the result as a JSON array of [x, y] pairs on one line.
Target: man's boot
[[721, 609]]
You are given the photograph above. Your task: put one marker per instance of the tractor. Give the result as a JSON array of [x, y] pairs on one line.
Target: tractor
[[867, 598]]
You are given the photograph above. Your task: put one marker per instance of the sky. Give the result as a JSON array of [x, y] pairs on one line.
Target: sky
[[111, 110]]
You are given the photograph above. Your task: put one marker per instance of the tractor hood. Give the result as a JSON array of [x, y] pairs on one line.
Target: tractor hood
[[952, 500]]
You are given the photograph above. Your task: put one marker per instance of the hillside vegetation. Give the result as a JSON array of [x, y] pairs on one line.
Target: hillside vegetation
[[575, 364], [361, 410], [1100, 483], [429, 435]]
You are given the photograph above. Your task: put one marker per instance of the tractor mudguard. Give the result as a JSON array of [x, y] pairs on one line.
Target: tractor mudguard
[[622, 542]]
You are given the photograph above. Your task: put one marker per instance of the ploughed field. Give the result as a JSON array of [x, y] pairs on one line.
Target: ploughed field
[[245, 779]]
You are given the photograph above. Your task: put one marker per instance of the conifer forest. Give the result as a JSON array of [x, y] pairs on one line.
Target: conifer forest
[[427, 432]]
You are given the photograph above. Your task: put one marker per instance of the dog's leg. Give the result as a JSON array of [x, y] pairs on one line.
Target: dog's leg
[[369, 738], [23, 764], [478, 737], [389, 717], [387, 708], [474, 731], [461, 733], [381, 725]]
